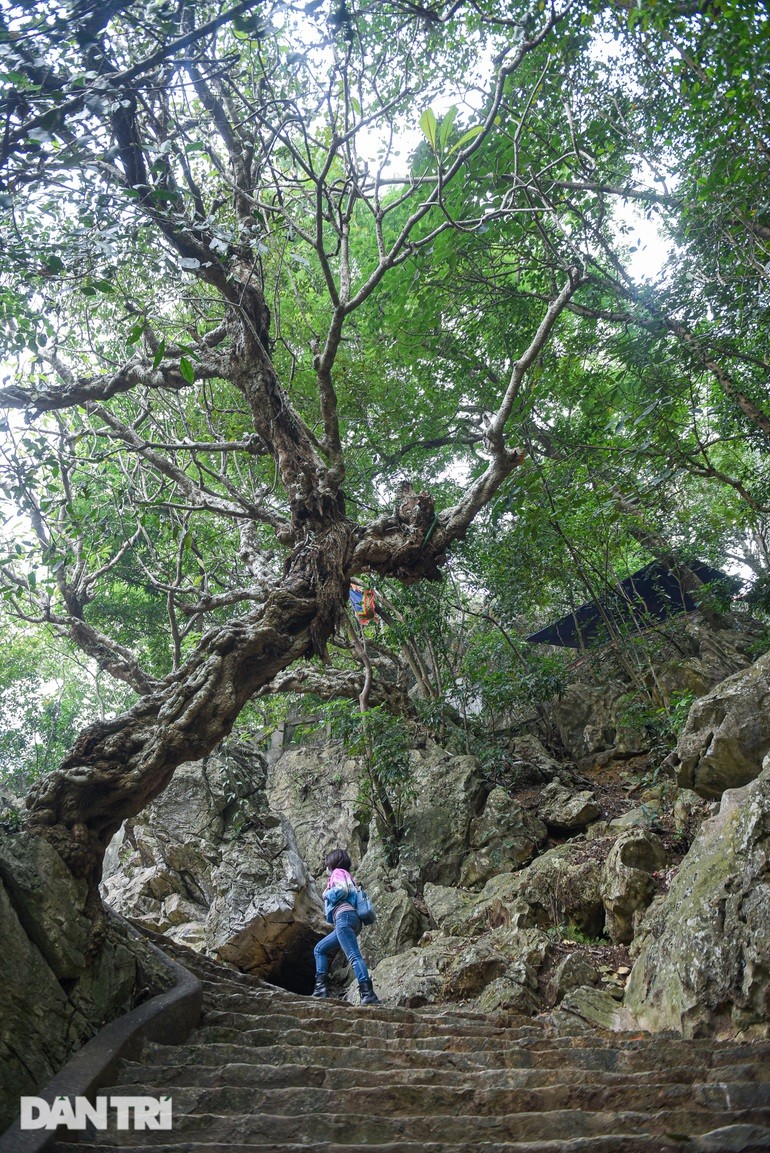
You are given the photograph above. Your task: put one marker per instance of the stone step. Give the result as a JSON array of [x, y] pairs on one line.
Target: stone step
[[267, 1076], [355, 1024], [251, 1002], [349, 1128], [230, 994], [356, 1016], [470, 1103], [369, 1039], [234, 982], [318, 1017], [273, 1071], [588, 1059], [640, 1143], [503, 1048]]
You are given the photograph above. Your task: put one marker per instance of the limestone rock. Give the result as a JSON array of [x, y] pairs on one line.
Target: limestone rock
[[176, 910], [401, 915], [704, 657], [644, 816], [597, 1009], [36, 1026], [690, 811], [531, 763], [592, 715], [210, 865], [504, 837], [316, 790], [727, 734], [107, 985], [449, 793], [499, 970], [48, 900], [412, 978], [563, 809], [54, 993], [507, 995], [702, 964], [449, 907], [628, 886], [591, 719], [560, 887], [574, 971], [211, 852]]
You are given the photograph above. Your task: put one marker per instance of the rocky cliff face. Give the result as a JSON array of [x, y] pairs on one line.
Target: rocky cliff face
[[703, 948], [212, 866], [477, 909], [727, 734], [63, 974], [524, 898]]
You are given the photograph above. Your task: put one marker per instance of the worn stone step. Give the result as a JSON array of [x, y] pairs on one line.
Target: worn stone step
[[370, 1024], [367, 1039], [250, 1001], [349, 1128], [299, 1008], [502, 1049], [470, 1103], [643, 1143], [233, 995], [246, 986], [756, 1071], [597, 1058], [269, 1075], [316, 1017]]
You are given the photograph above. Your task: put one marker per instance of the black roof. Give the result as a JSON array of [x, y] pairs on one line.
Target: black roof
[[651, 594]]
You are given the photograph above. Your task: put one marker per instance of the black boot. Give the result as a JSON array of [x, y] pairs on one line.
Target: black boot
[[368, 995], [321, 986]]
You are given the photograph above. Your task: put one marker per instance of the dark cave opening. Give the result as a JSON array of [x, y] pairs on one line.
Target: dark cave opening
[[294, 969]]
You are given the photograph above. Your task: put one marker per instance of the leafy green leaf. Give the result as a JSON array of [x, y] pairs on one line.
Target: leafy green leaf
[[466, 138], [428, 126]]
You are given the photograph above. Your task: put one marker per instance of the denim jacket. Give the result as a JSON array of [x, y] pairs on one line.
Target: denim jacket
[[341, 888]]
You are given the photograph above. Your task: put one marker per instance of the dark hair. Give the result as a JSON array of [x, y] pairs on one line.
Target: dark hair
[[337, 859]]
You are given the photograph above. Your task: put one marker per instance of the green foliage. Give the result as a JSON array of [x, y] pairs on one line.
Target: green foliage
[[46, 697], [661, 724], [386, 783], [11, 817], [570, 932]]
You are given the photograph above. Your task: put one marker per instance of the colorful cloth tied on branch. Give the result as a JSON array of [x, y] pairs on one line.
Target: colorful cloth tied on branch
[[364, 605]]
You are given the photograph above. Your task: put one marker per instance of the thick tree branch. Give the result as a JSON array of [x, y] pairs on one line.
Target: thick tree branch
[[118, 766], [110, 656], [81, 391], [334, 684]]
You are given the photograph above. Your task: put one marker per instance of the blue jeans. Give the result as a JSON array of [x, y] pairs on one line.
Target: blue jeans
[[343, 936]]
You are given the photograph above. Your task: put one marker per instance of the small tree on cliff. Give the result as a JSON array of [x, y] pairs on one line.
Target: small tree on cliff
[[200, 218]]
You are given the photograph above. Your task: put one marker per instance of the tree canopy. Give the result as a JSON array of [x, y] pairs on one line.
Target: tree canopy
[[297, 292]]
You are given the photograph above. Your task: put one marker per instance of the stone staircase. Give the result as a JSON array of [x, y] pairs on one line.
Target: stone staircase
[[271, 1070]]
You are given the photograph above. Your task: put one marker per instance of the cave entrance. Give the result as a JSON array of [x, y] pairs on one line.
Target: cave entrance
[[294, 968]]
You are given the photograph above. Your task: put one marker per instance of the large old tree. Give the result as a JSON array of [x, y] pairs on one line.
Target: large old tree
[[231, 392], [190, 167]]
